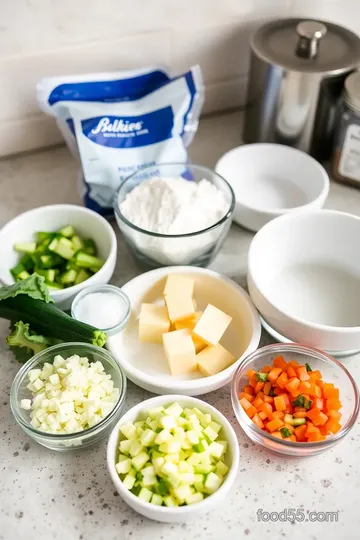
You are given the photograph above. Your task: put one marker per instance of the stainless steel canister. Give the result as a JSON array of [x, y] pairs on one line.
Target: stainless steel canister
[[297, 73]]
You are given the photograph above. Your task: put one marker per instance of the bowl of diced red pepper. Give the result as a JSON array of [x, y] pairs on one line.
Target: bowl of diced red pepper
[[294, 400]]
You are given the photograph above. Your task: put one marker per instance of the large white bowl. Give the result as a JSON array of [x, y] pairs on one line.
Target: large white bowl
[[145, 363], [304, 278], [182, 513], [270, 180], [89, 224]]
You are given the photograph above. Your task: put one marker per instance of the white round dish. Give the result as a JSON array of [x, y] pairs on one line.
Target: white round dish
[[182, 513], [145, 363], [304, 278], [282, 339], [270, 180], [89, 224]]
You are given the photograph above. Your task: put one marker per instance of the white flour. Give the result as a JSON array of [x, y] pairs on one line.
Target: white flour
[[174, 206]]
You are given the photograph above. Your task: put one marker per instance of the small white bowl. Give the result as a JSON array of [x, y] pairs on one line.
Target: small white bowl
[[145, 363], [181, 513], [87, 223], [270, 180], [304, 278]]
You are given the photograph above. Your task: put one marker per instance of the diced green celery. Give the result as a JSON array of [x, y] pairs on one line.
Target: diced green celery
[[69, 277], [82, 275], [62, 247], [156, 499], [77, 243], [67, 231], [25, 247], [90, 246], [212, 482], [139, 461], [145, 494]]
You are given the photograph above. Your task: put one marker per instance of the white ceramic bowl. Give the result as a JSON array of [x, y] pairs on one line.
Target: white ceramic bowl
[[270, 180], [304, 278], [183, 513], [145, 363], [89, 224]]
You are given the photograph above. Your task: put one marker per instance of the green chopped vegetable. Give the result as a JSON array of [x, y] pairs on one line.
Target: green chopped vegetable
[[285, 432], [84, 260], [301, 401], [26, 247], [58, 252], [262, 377], [308, 368]]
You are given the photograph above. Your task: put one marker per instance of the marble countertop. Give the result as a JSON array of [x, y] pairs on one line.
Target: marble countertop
[[47, 495]]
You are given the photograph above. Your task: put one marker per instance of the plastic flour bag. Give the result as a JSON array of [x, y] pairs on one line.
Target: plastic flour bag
[[119, 123]]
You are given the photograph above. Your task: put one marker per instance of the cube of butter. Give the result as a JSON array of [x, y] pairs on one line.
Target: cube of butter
[[190, 324], [179, 284], [214, 359], [153, 323], [212, 325], [179, 306], [180, 351]]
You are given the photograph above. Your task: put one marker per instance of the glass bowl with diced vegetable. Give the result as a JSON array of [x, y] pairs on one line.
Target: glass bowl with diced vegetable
[[293, 400], [70, 246], [173, 457], [69, 396]]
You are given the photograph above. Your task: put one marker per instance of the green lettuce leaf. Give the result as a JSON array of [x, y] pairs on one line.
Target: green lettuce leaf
[[34, 286]]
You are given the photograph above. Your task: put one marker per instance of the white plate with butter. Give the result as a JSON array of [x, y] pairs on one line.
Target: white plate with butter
[[146, 365]]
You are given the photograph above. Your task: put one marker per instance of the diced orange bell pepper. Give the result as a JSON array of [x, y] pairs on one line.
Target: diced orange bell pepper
[[302, 373], [279, 362], [304, 387], [333, 426], [249, 397], [257, 402], [267, 388], [291, 373], [300, 414], [315, 437], [248, 407], [336, 415], [267, 409], [279, 403], [293, 384], [282, 380], [262, 415], [259, 386], [333, 404], [277, 434], [249, 390], [317, 403], [268, 399], [266, 369], [300, 432], [251, 374], [275, 424], [293, 364], [257, 421], [274, 374]]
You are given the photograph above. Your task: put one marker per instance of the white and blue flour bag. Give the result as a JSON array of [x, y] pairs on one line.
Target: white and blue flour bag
[[119, 123]]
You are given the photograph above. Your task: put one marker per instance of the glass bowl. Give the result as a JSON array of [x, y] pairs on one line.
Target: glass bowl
[[152, 250], [71, 441], [105, 290], [332, 371]]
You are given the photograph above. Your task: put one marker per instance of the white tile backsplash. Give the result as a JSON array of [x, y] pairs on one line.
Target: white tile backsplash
[[40, 38]]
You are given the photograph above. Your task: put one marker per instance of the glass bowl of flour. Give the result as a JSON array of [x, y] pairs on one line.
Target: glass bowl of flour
[[174, 214]]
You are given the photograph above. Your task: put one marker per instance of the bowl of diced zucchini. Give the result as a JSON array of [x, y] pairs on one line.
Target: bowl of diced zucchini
[[173, 457], [70, 246]]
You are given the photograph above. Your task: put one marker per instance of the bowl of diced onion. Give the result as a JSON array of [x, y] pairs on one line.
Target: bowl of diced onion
[[173, 457], [69, 396]]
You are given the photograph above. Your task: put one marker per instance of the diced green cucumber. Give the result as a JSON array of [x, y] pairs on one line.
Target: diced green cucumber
[[289, 419], [221, 468], [82, 275], [194, 498], [23, 275], [213, 482], [54, 285], [170, 501], [25, 247], [84, 260], [62, 247], [129, 481], [41, 236], [90, 246], [145, 494], [69, 277], [156, 499], [49, 274], [77, 243], [67, 231], [17, 270], [128, 430], [47, 261], [27, 262], [139, 461]]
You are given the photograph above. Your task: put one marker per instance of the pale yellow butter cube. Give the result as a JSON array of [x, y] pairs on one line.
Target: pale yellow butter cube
[[212, 325], [179, 284], [180, 351], [180, 307], [214, 359], [153, 323], [190, 324]]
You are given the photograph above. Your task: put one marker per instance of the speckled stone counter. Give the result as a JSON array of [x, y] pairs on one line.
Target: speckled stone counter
[[46, 495]]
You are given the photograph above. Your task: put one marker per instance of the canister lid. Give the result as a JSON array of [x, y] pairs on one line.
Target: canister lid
[[308, 46], [352, 90]]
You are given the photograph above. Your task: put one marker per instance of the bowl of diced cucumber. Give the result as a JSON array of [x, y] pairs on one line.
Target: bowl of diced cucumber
[[70, 246], [173, 457]]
